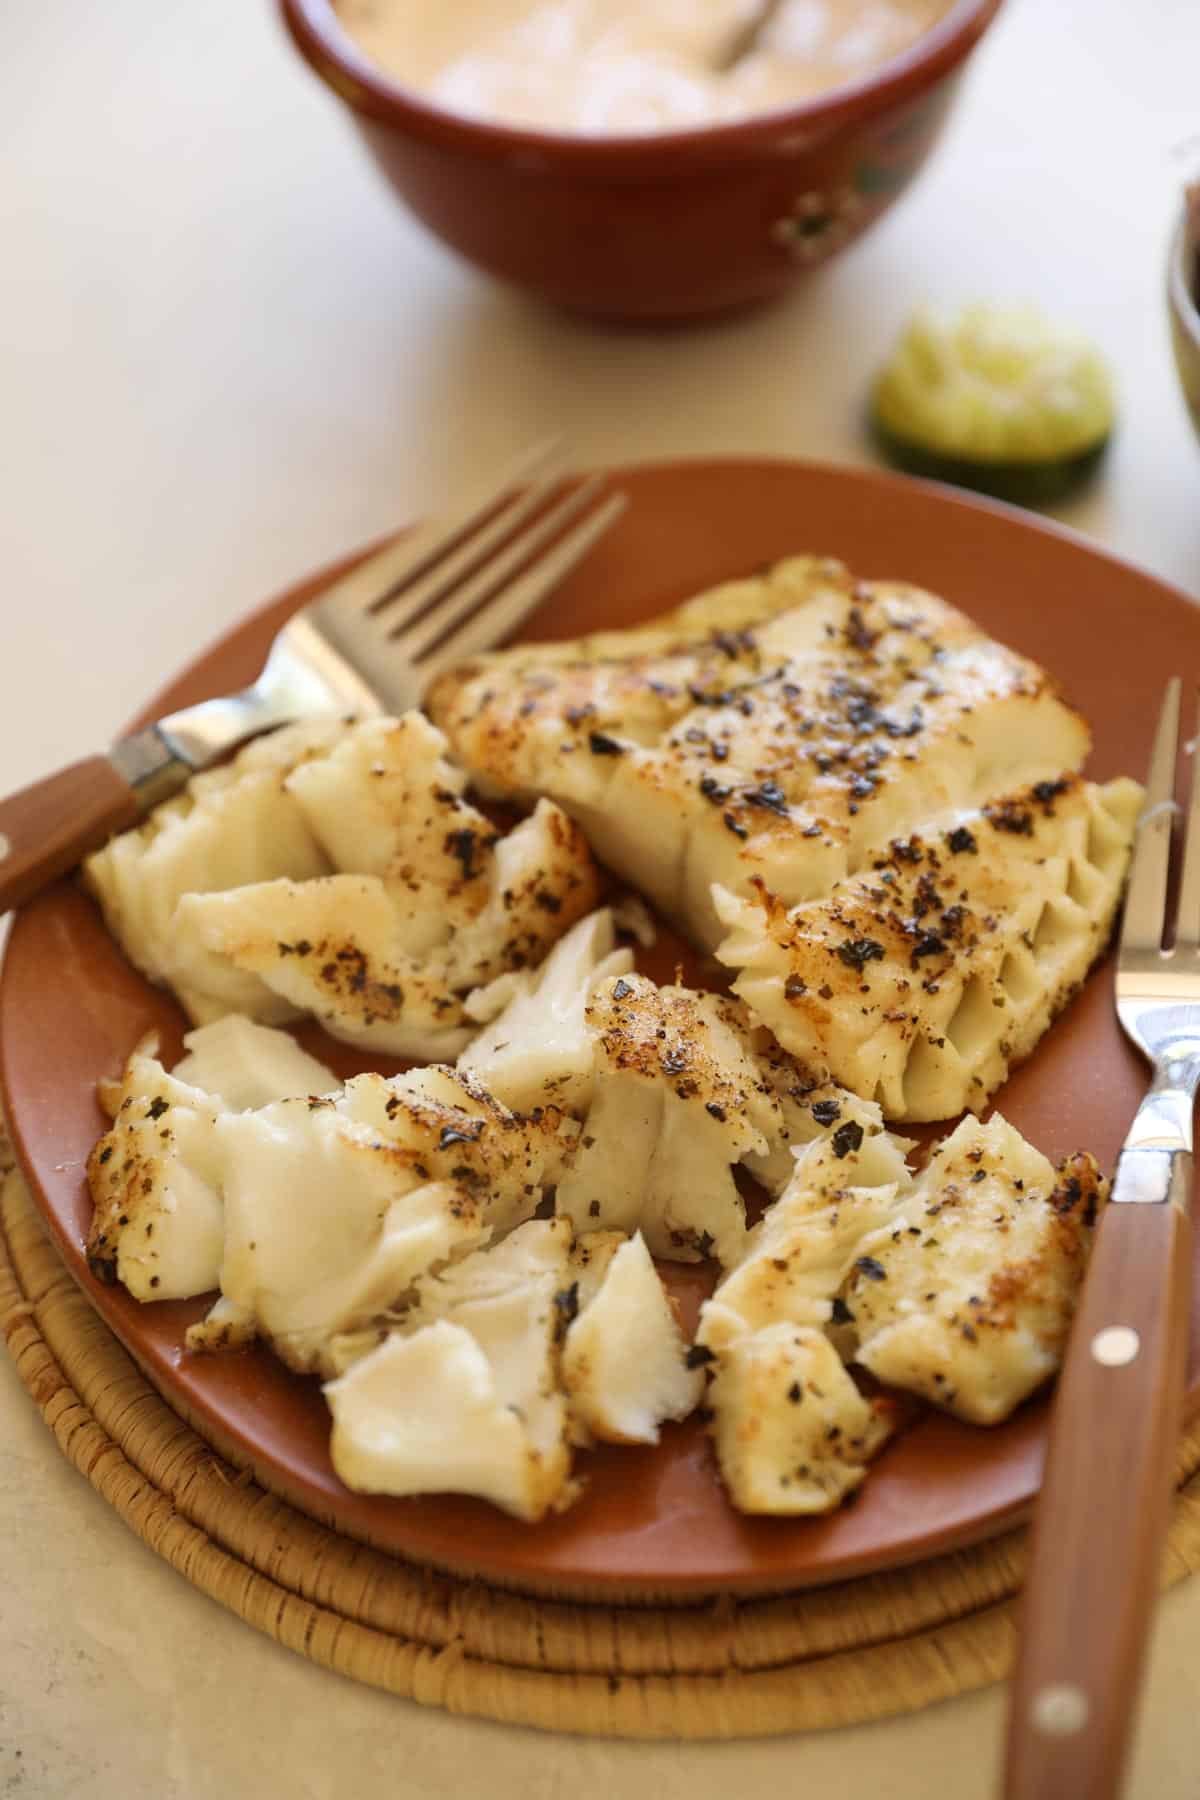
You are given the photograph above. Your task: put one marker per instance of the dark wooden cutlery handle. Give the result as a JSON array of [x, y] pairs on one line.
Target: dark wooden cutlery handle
[[1102, 1517], [46, 828]]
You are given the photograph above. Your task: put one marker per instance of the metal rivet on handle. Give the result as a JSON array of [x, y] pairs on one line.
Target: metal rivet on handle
[[1115, 1346], [1059, 1711]]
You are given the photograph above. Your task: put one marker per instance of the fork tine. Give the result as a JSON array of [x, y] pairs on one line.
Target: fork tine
[[427, 633], [410, 556], [498, 620], [1187, 929], [1145, 903], [423, 592]]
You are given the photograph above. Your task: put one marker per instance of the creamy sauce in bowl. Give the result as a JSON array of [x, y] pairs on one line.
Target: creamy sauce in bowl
[[607, 67]]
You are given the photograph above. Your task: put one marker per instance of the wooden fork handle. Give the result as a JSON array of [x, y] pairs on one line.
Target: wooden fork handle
[[1101, 1520], [45, 829]]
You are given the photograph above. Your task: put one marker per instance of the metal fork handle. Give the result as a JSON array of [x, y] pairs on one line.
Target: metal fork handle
[[1102, 1516], [45, 829], [1163, 1121]]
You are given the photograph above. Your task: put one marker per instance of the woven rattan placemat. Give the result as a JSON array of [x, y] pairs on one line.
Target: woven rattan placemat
[[831, 1656]]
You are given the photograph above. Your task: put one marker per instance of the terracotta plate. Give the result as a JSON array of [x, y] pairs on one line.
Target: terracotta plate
[[651, 1521]]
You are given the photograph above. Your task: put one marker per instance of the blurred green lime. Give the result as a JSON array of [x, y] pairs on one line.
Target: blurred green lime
[[994, 398]]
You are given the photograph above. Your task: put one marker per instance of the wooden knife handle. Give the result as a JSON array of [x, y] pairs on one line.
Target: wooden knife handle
[[45, 829], [1105, 1502]]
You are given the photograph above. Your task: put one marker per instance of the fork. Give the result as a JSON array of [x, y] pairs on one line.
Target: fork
[[1102, 1516], [368, 644]]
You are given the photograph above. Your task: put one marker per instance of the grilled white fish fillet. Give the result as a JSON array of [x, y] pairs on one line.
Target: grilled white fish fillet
[[922, 980], [782, 728]]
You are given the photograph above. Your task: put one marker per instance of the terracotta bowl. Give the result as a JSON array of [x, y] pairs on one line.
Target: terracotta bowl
[[671, 226], [1183, 299]]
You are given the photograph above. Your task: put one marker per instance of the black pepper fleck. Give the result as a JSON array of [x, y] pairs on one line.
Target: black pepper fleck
[[847, 1138]]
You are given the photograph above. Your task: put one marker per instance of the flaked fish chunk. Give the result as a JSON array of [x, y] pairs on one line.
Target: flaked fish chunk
[[464, 1396], [624, 1362], [245, 1065], [536, 1047], [336, 1207], [674, 1088], [846, 1193], [685, 1090], [921, 981], [968, 1300], [230, 826], [156, 1176], [346, 877], [793, 1435], [155, 1180], [676, 1102]]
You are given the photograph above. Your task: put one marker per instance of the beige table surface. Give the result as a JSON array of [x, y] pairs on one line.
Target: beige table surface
[[226, 356]]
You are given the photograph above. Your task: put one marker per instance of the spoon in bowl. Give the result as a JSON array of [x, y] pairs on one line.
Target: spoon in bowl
[[745, 37]]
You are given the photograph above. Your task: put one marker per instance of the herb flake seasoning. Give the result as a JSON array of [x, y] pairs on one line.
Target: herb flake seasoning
[[874, 1271], [928, 944], [847, 1138], [826, 1112], [1010, 816], [770, 795], [716, 791], [856, 953]]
